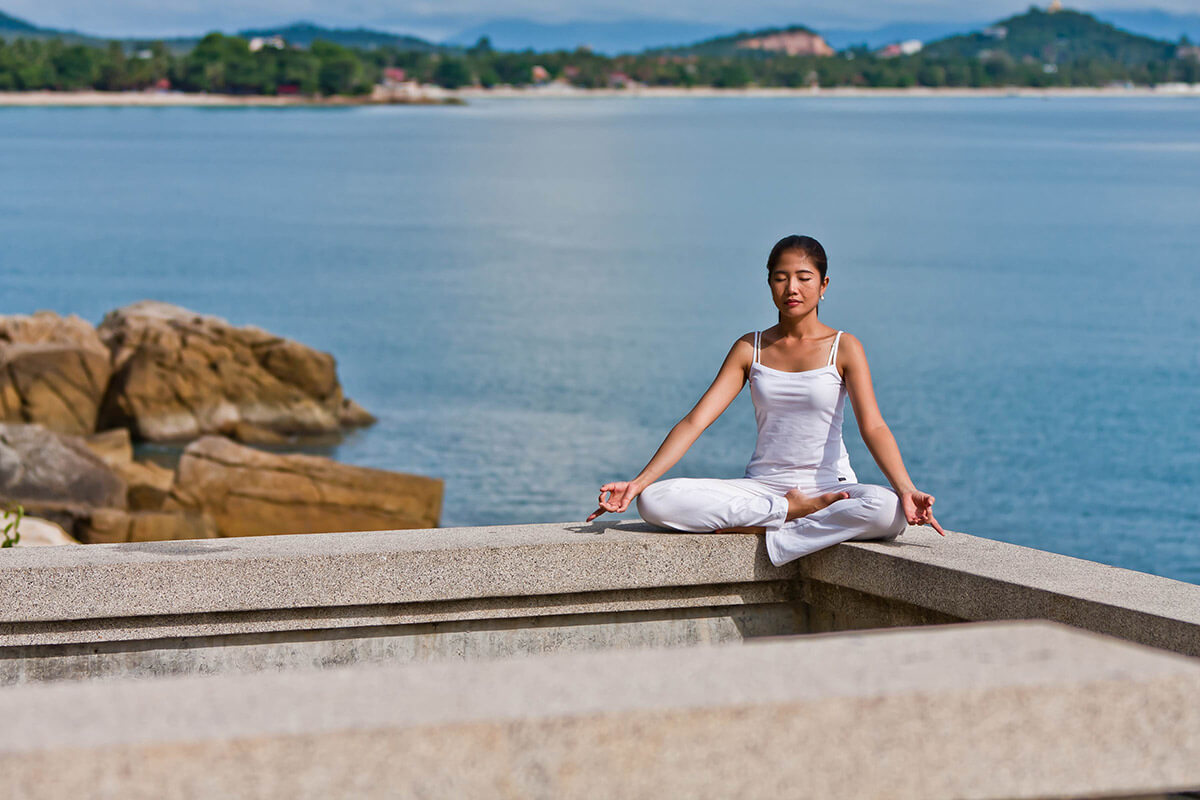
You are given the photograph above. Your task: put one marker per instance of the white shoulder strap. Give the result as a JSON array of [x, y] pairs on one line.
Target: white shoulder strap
[[757, 336], [833, 350]]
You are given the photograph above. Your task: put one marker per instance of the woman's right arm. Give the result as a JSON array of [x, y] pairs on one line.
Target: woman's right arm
[[729, 381]]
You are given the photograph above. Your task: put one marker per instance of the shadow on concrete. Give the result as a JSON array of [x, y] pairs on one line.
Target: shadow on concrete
[[629, 526], [187, 547]]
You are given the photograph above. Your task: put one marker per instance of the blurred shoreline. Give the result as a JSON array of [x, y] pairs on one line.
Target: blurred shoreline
[[166, 99], [436, 95]]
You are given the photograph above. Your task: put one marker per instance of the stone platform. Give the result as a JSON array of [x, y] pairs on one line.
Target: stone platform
[[604, 660], [992, 710], [461, 593]]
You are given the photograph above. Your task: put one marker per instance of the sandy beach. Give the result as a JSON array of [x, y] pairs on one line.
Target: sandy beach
[[200, 99], [555, 90], [437, 95]]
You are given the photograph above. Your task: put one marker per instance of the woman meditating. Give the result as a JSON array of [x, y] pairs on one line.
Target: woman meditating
[[798, 488]]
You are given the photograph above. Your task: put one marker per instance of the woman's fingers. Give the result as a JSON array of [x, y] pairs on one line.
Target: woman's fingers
[[935, 525], [614, 497]]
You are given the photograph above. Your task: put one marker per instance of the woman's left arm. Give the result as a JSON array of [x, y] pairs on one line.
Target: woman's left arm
[[852, 360]]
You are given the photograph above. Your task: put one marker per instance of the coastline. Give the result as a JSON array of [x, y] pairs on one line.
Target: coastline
[[95, 99], [1166, 90], [435, 95]]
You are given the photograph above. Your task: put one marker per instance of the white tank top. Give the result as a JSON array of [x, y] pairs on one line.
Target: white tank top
[[799, 418]]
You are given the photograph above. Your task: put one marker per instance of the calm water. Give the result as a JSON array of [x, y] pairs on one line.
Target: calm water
[[530, 293]]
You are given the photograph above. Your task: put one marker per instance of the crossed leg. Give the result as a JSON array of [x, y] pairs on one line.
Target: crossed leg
[[795, 523]]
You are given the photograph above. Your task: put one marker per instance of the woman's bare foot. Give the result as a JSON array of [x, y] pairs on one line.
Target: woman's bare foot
[[801, 504]]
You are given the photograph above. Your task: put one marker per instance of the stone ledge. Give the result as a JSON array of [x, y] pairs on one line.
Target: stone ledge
[[971, 578], [355, 569], [274, 583], [1000, 710]]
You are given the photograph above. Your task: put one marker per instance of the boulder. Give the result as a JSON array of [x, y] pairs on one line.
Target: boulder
[[249, 492], [54, 372], [110, 525], [147, 484], [42, 533], [178, 375], [42, 468], [113, 446]]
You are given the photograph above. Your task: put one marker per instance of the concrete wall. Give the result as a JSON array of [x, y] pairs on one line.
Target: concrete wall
[[991, 710], [234, 605]]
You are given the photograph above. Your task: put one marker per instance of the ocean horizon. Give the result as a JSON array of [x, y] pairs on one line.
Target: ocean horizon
[[530, 293]]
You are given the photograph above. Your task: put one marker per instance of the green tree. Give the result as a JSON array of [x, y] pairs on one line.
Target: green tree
[[452, 73]]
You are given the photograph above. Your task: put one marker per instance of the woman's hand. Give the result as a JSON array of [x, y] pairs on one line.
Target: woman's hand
[[620, 495], [918, 509]]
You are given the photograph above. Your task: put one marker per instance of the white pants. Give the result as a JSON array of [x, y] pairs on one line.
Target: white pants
[[703, 505]]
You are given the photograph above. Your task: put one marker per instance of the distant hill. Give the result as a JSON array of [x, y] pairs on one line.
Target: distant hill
[[15, 28], [873, 38], [305, 33], [10, 23], [792, 40], [299, 33], [1055, 37], [611, 38]]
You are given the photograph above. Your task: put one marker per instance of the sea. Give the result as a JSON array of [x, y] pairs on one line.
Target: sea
[[530, 292]]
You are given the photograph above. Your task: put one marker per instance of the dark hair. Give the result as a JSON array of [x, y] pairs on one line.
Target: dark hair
[[807, 245]]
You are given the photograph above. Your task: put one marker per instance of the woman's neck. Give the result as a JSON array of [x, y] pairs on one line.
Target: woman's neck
[[805, 327]]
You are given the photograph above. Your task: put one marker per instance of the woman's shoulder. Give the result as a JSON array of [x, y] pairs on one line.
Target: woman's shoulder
[[850, 349], [848, 339]]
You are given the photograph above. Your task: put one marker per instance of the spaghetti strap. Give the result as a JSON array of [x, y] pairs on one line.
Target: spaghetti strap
[[833, 350], [757, 334]]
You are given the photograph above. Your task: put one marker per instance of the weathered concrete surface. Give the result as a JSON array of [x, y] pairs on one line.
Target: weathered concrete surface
[[1012, 710], [472, 638], [958, 577], [971, 578]]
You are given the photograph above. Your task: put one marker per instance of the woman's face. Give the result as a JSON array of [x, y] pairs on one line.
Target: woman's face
[[796, 286]]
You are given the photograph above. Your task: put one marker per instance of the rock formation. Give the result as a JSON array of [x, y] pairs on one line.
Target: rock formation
[[178, 375], [111, 525], [39, 468], [249, 492], [55, 371], [42, 533], [163, 373]]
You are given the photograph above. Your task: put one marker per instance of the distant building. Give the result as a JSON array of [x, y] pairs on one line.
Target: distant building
[[906, 48], [539, 74], [273, 42], [996, 32], [393, 76]]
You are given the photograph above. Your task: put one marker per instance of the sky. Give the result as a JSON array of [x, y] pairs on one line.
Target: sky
[[437, 19]]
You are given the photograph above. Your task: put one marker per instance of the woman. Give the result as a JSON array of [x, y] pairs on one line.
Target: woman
[[798, 488]]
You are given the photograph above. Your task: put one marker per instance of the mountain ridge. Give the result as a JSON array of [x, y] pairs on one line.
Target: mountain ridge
[[507, 33]]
